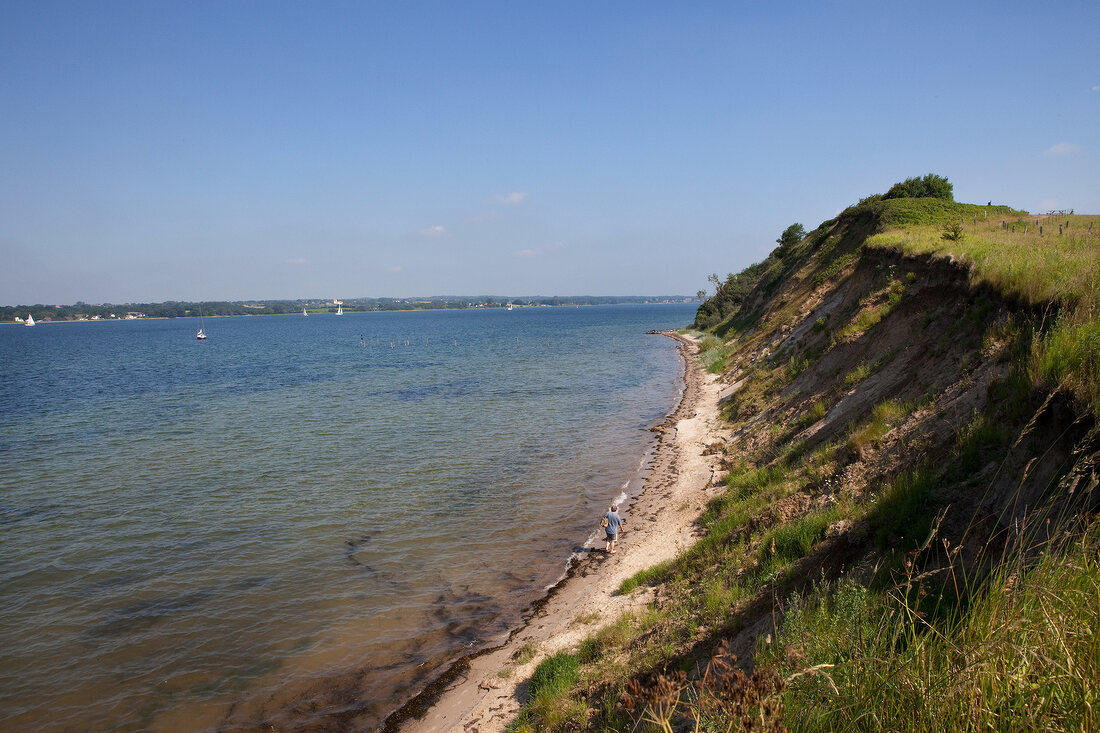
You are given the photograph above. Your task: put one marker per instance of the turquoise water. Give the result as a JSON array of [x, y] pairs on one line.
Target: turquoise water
[[299, 520]]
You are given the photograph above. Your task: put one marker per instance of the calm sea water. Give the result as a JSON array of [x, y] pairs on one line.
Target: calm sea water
[[300, 519]]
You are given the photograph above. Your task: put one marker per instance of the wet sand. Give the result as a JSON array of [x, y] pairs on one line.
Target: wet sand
[[473, 696]]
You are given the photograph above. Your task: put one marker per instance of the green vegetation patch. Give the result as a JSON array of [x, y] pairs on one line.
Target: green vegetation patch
[[648, 576], [904, 512], [884, 417], [857, 375], [833, 268], [1069, 357], [555, 675], [874, 308], [794, 540], [1023, 657], [1039, 268], [713, 353]]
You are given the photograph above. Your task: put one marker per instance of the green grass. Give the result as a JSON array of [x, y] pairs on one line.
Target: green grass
[[976, 442], [550, 706], [1024, 656], [833, 268], [610, 639], [794, 540], [796, 366], [555, 675], [857, 375], [934, 212], [648, 576], [884, 417], [1069, 357], [713, 353], [904, 511], [747, 481], [874, 308], [817, 411], [1039, 269], [708, 341]]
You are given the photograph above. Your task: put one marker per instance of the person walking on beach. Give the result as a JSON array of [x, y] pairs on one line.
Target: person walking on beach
[[612, 523]]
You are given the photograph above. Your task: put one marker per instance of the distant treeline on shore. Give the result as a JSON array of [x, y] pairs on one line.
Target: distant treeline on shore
[[179, 309]]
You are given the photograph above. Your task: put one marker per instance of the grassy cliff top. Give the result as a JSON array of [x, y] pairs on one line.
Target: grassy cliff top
[[1039, 258]]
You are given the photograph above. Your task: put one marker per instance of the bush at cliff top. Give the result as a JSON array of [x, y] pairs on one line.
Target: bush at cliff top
[[929, 187]]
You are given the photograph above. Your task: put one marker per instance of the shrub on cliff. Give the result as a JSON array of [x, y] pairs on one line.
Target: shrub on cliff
[[930, 186], [791, 236]]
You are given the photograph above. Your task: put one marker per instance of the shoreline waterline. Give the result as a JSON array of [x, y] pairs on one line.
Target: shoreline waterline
[[472, 691]]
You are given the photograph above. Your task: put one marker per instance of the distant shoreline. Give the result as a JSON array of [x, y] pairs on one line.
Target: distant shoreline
[[345, 313]]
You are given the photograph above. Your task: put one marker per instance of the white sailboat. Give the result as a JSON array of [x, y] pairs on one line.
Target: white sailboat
[[339, 310], [201, 335], [29, 321], [304, 312]]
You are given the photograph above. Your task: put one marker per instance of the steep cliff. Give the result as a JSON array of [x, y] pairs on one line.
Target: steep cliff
[[912, 456]]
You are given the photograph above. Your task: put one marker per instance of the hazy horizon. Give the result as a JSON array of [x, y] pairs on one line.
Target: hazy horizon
[[351, 299], [157, 151]]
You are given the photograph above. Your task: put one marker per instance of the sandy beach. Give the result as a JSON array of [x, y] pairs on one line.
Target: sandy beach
[[484, 693]]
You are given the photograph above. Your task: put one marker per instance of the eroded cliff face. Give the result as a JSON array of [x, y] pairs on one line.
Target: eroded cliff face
[[862, 367]]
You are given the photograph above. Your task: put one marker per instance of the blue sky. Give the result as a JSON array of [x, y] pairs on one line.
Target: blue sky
[[231, 150]]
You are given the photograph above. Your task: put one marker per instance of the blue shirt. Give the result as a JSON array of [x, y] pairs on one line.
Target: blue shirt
[[614, 523]]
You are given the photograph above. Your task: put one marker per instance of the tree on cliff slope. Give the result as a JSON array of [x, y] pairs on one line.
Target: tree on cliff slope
[[791, 236]]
